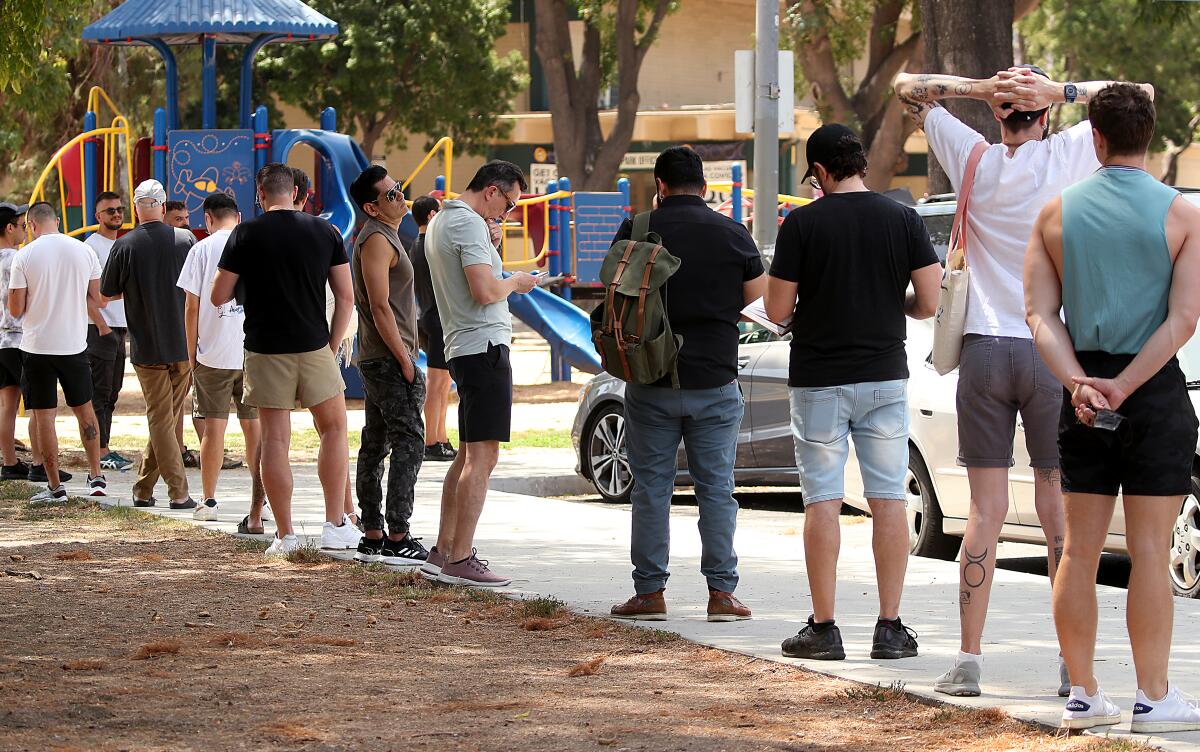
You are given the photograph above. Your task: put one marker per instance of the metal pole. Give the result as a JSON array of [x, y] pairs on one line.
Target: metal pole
[[208, 82], [766, 123]]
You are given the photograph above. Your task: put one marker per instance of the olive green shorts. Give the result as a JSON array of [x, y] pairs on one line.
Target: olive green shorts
[[215, 389]]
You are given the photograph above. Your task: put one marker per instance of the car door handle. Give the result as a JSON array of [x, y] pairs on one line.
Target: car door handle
[[926, 413], [743, 361]]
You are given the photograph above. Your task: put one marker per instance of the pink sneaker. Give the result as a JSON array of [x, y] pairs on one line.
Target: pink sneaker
[[471, 571], [433, 564]]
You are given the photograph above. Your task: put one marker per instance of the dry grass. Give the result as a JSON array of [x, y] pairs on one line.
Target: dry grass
[[84, 664], [292, 732], [234, 640], [151, 558], [475, 707], [155, 649], [587, 668], [78, 555], [308, 553], [542, 624]]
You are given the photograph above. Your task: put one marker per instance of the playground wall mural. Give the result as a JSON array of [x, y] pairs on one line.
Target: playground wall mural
[[206, 161]]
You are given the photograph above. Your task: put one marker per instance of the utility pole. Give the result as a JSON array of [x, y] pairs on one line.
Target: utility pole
[[766, 124]]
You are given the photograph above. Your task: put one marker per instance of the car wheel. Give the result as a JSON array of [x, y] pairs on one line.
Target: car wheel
[[925, 536], [1185, 546], [605, 455]]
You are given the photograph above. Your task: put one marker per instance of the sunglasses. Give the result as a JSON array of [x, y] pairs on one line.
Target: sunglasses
[[392, 193], [112, 211]]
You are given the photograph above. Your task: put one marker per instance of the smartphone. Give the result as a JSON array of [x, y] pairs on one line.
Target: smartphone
[[1107, 420]]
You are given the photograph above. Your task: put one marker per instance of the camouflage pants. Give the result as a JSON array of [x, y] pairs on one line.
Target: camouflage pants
[[394, 427]]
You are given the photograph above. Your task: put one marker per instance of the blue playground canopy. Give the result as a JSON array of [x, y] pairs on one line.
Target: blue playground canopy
[[228, 21], [254, 23]]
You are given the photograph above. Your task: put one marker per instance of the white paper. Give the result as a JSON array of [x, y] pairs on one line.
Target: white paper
[[757, 312]]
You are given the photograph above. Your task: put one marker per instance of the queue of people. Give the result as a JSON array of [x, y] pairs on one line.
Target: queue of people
[[239, 321]]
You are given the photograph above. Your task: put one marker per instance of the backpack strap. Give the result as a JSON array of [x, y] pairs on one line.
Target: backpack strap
[[641, 227], [641, 309]]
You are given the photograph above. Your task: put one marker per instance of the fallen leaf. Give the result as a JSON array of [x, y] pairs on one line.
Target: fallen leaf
[[587, 668], [522, 715]]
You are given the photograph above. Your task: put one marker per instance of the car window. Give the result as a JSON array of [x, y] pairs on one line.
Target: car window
[[939, 233]]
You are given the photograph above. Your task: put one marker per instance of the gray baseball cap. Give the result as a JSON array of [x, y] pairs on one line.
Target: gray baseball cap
[[150, 189], [9, 212]]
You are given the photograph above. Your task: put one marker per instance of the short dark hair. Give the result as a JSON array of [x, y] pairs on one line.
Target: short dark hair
[[276, 179], [174, 206], [680, 168], [849, 160], [108, 196], [424, 207], [300, 177], [362, 190], [1124, 114], [220, 205], [40, 212], [498, 173]]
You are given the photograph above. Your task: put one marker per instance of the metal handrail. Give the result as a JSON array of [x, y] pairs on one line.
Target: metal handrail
[[784, 198], [118, 129], [97, 94], [445, 143]]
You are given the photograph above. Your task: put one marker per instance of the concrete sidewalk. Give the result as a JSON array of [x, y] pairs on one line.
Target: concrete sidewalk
[[578, 552]]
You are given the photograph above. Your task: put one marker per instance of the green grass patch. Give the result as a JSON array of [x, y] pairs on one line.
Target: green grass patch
[[17, 490], [541, 607], [876, 693], [308, 553], [1117, 744]]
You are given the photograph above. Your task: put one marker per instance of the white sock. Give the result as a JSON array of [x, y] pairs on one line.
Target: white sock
[[970, 658]]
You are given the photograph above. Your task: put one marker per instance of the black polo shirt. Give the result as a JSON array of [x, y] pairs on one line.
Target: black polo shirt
[[705, 297]]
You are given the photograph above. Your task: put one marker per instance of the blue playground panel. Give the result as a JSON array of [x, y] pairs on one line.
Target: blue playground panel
[[207, 161], [597, 217]]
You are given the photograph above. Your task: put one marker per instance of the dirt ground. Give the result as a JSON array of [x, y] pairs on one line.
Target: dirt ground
[[124, 631]]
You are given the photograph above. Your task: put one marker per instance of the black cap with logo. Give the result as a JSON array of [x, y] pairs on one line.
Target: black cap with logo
[[10, 212], [827, 143]]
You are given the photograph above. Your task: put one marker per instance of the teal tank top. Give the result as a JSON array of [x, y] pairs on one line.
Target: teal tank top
[[1116, 264]]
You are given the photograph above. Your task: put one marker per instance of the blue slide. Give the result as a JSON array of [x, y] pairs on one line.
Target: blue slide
[[565, 326]]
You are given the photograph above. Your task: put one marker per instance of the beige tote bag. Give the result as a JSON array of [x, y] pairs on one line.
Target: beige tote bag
[[951, 317]]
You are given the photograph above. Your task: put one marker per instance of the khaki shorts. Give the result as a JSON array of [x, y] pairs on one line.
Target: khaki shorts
[[281, 381], [215, 388]]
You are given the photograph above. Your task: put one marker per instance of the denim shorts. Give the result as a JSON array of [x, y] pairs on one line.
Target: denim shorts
[[875, 415]]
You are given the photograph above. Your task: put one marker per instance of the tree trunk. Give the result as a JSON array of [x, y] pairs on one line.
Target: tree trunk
[[970, 38], [1171, 166]]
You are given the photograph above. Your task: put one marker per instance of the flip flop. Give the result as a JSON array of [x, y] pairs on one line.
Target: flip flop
[[245, 529]]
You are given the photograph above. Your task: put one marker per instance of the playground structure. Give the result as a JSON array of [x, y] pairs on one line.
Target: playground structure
[[567, 233]]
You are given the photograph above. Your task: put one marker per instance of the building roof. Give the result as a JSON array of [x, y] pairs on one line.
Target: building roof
[[186, 21]]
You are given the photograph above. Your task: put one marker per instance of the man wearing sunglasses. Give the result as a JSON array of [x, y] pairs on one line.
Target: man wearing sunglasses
[[106, 345], [472, 298]]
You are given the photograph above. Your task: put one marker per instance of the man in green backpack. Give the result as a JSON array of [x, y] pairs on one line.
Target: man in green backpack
[[720, 271]]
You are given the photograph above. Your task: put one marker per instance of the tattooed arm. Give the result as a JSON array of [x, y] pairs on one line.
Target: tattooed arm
[[920, 92], [1026, 90]]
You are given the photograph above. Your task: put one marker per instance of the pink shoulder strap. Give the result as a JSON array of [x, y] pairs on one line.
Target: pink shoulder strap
[[958, 230]]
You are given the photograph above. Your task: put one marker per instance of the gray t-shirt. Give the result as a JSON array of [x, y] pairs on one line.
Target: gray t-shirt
[[457, 238]]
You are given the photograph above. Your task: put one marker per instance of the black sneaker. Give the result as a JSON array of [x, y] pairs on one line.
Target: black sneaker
[[37, 474], [818, 642], [188, 503], [439, 453], [191, 458], [449, 449], [368, 550], [893, 640], [406, 552], [145, 502], [19, 471]]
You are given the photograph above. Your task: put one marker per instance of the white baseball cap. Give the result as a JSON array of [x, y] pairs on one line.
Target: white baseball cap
[[150, 189]]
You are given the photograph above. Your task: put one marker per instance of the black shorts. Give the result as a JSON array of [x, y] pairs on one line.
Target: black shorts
[[484, 394], [432, 343], [1150, 453], [10, 367], [41, 375]]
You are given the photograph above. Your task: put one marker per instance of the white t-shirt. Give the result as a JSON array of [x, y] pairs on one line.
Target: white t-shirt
[[1009, 194], [113, 313], [55, 270], [220, 335]]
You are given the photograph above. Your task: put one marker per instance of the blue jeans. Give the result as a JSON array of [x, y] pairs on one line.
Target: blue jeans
[[707, 421]]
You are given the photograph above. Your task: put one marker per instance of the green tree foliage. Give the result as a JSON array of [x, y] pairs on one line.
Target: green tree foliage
[[20, 41], [1129, 40], [421, 66]]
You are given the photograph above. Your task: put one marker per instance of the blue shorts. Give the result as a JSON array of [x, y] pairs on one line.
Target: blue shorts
[[875, 414]]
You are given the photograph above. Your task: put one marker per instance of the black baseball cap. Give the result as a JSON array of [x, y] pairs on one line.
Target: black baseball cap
[[1023, 116], [827, 143], [9, 212]]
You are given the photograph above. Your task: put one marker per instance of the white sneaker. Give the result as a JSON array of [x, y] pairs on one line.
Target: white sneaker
[[962, 680], [1084, 712], [281, 547], [206, 512], [49, 496], [339, 537], [97, 487], [1175, 712]]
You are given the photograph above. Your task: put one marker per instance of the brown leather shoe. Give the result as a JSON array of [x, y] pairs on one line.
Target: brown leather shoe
[[725, 607], [647, 607]]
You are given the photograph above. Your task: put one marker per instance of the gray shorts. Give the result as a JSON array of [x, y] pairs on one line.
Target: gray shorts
[[999, 377]]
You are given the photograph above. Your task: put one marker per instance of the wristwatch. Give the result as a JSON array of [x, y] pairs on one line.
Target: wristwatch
[[1070, 93]]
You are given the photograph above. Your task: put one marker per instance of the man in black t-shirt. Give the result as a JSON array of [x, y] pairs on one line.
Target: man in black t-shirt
[[279, 263], [842, 269], [429, 326], [142, 269], [720, 272]]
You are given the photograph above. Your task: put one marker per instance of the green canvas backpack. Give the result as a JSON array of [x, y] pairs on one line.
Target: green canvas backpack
[[630, 327]]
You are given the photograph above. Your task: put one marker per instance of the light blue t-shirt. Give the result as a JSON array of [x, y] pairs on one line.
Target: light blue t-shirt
[[457, 238]]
